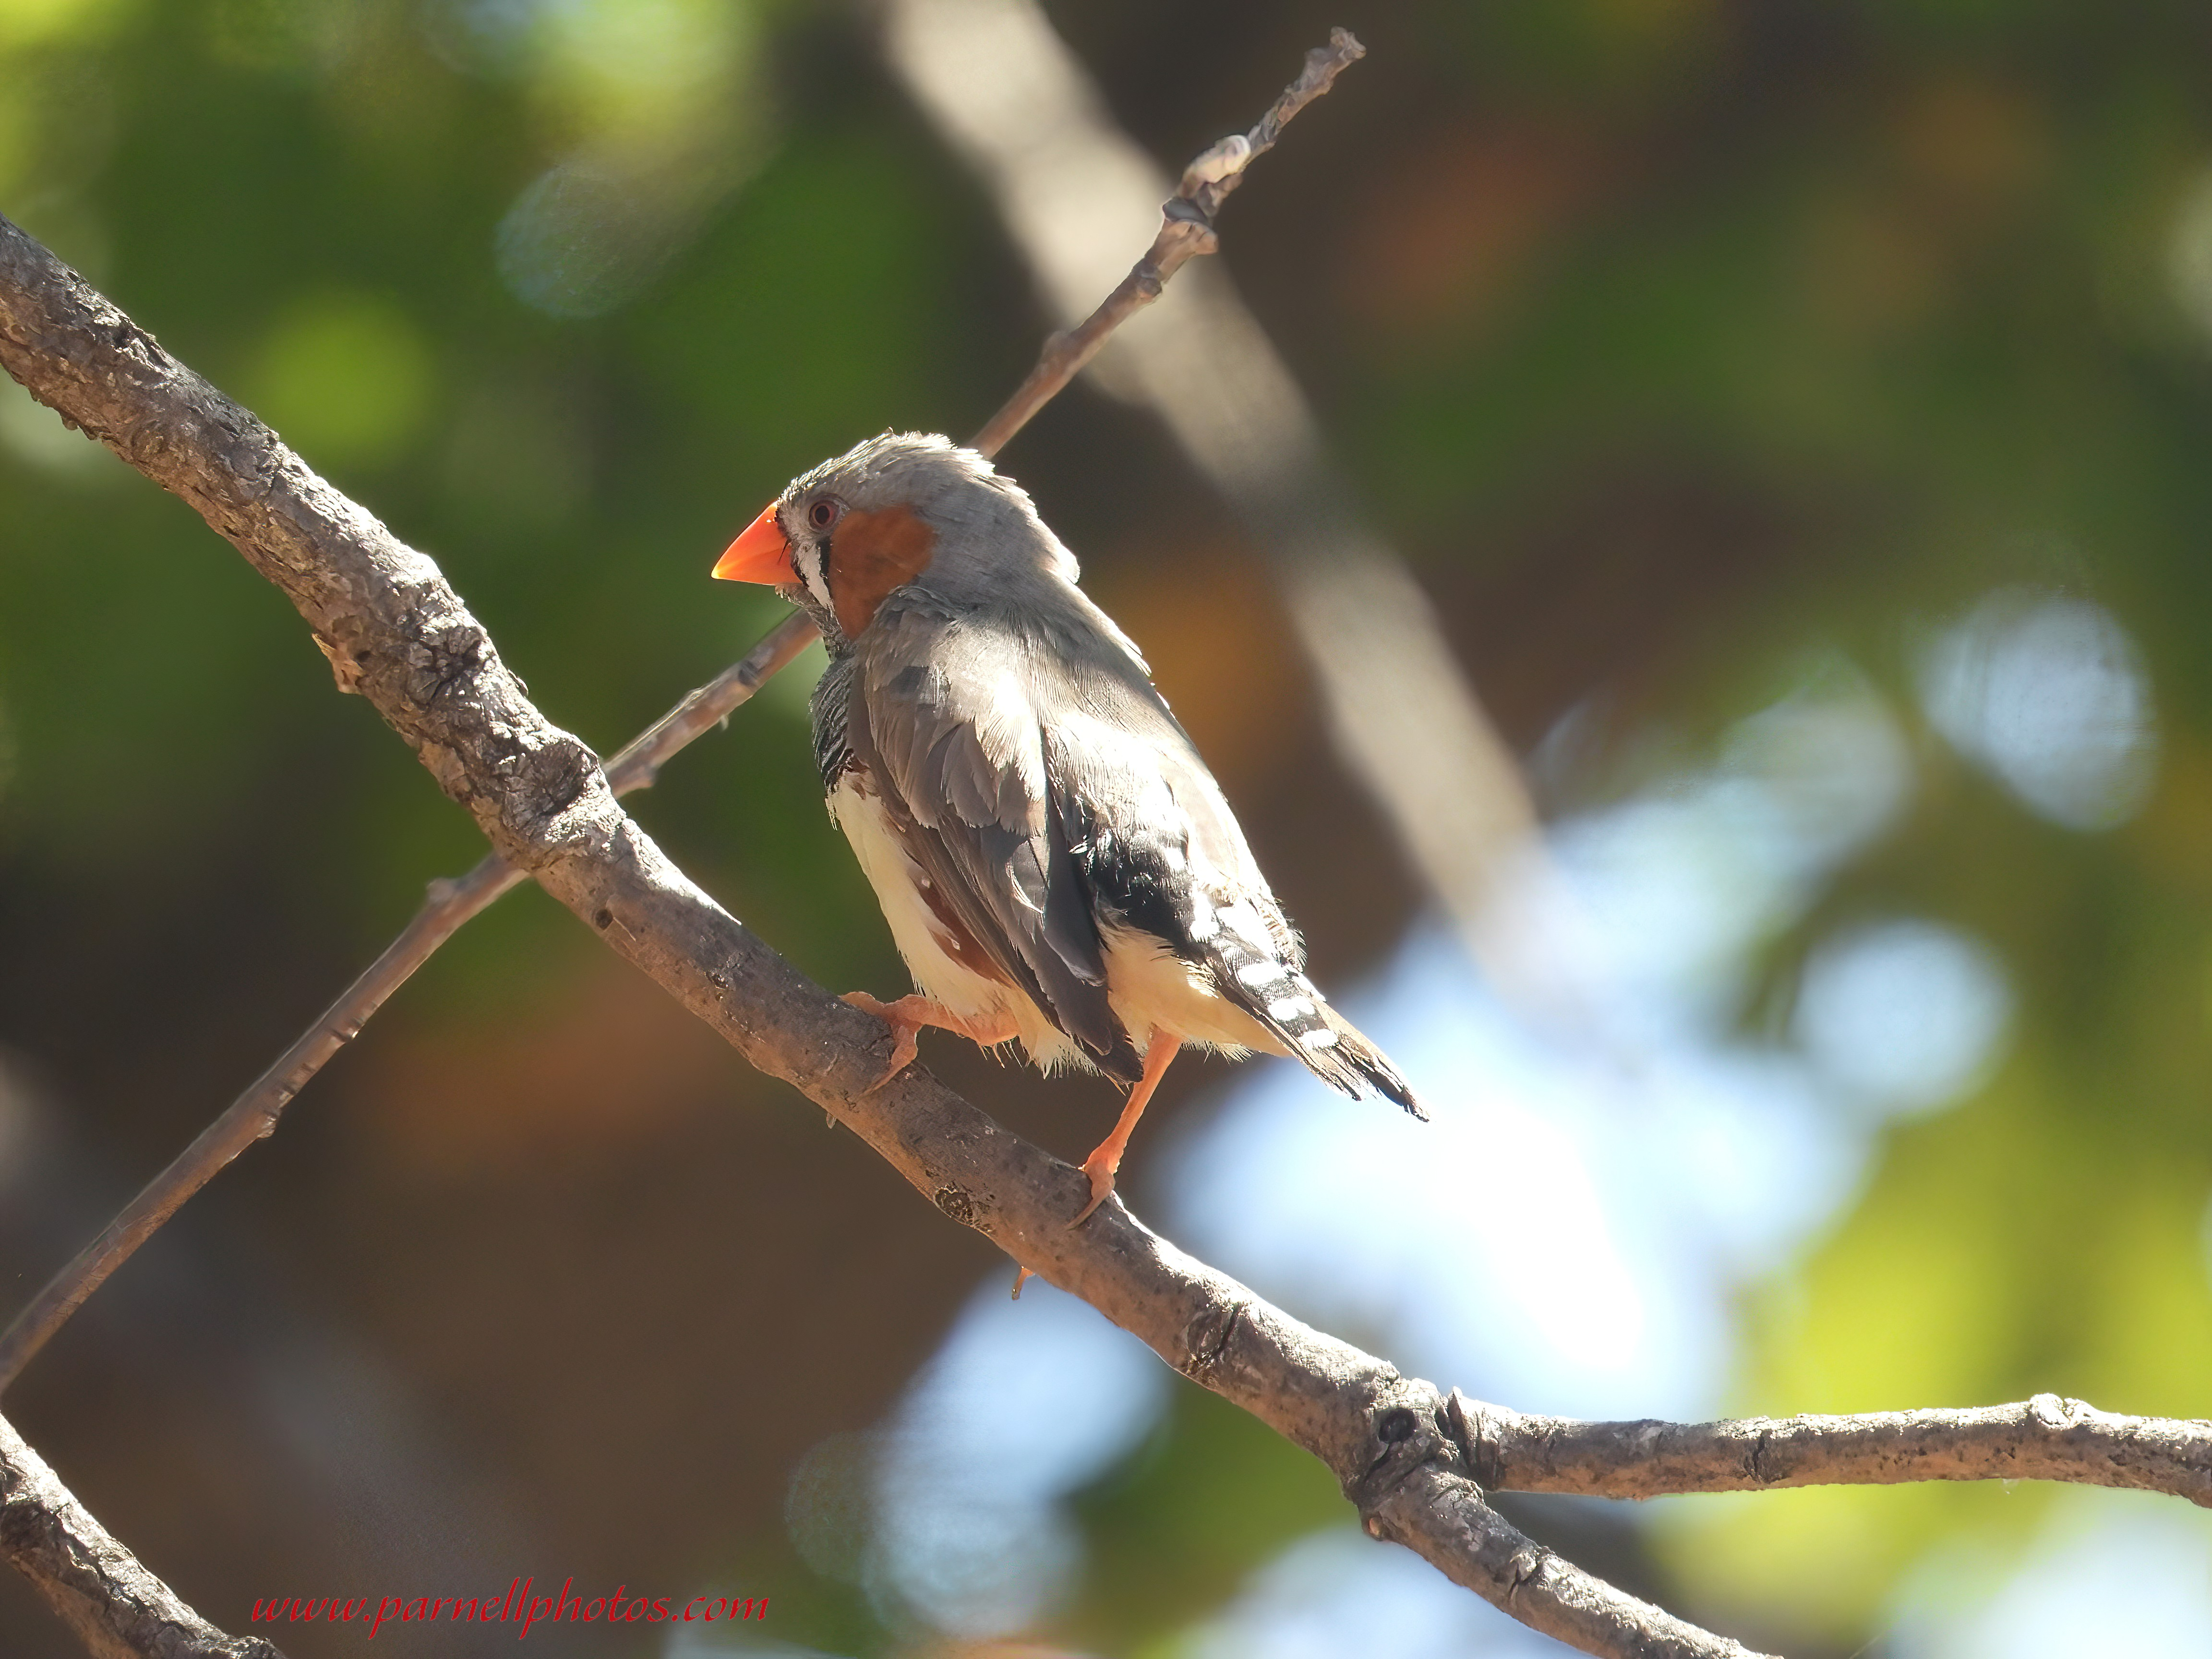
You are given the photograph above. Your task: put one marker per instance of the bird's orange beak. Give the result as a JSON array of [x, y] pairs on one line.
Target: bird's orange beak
[[760, 555]]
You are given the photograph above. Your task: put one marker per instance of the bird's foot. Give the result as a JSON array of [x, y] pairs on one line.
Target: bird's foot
[[909, 1014], [905, 1020], [1101, 1170]]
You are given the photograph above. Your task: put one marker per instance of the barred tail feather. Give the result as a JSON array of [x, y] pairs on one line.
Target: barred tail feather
[[1286, 1002], [1372, 1063]]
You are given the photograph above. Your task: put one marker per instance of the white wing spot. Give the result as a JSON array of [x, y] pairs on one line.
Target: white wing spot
[[1263, 972], [1202, 923], [1244, 921], [1320, 1037], [1289, 1008], [1173, 858]]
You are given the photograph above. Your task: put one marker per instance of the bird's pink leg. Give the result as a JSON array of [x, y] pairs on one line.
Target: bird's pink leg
[[909, 1014], [1103, 1165]]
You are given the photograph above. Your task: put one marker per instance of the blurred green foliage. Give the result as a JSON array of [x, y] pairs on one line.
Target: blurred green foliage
[[1677, 339]]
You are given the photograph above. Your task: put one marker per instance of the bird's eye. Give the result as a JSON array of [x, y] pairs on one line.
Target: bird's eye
[[822, 513]]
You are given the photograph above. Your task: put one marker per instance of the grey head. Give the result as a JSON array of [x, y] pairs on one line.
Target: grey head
[[914, 511]]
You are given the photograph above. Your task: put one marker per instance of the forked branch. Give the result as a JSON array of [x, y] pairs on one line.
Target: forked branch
[[451, 904]]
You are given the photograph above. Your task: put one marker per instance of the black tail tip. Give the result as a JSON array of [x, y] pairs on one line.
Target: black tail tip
[[1404, 1096], [1386, 1082]]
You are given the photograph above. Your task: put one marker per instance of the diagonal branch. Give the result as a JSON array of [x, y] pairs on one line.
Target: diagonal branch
[[1186, 232], [1439, 1513]]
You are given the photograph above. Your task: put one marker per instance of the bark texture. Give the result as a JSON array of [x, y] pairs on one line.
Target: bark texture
[[112, 1604]]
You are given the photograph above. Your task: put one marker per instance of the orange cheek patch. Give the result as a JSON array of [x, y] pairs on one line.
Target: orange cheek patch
[[871, 554]]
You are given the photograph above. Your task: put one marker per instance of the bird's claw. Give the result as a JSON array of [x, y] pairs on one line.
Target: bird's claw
[[1101, 1189], [904, 1043]]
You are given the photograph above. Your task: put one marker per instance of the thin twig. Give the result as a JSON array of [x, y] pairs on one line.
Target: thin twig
[[452, 903], [1186, 232], [403, 638], [2045, 1438]]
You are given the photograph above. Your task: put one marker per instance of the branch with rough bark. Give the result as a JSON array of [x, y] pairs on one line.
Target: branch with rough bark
[[402, 638], [1412, 1460], [97, 1588]]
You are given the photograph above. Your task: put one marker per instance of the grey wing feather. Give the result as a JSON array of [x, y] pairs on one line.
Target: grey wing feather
[[955, 744], [1160, 850]]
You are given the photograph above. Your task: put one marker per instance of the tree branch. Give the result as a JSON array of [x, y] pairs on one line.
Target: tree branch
[[97, 1588], [1439, 1513], [2045, 1438]]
